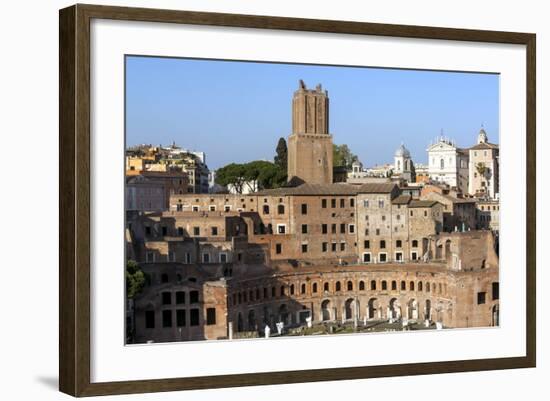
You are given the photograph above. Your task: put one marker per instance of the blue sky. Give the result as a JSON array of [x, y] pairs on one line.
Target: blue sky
[[237, 111]]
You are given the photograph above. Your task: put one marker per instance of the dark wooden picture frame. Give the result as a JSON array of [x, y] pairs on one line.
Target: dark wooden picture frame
[[74, 203]]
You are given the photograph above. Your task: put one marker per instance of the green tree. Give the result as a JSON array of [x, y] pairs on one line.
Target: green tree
[[281, 158], [135, 279], [342, 156], [254, 176], [232, 174]]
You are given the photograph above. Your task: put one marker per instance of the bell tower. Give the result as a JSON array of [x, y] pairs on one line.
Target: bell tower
[[310, 144]]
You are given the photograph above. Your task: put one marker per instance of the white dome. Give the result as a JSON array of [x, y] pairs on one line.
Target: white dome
[[482, 136], [402, 151]]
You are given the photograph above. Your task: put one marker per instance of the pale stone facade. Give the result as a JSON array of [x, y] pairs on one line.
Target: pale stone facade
[[448, 164], [484, 168]]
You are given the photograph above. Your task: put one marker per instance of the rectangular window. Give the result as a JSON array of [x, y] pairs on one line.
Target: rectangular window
[[414, 256], [187, 258], [325, 246], [365, 203], [324, 203], [214, 231], [180, 317], [333, 228], [196, 231], [223, 257], [377, 231], [167, 318], [211, 316], [398, 243], [367, 244], [164, 231], [150, 319], [383, 244], [380, 203], [352, 228], [227, 208], [333, 203], [147, 230], [399, 256], [366, 258], [304, 208], [304, 248], [194, 317], [352, 202], [481, 298], [342, 203], [205, 258], [180, 297], [194, 297], [166, 298], [324, 228], [278, 249], [342, 228], [180, 230], [212, 208], [342, 246], [304, 228], [382, 257], [333, 247], [281, 229], [495, 291], [172, 256]]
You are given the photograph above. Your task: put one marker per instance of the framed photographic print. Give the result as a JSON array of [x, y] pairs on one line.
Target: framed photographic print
[[243, 189]]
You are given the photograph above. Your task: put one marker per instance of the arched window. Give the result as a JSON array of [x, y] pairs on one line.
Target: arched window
[[373, 285], [314, 288], [291, 289], [303, 289], [442, 164], [420, 286], [338, 286], [350, 286], [361, 286], [403, 286], [428, 287], [282, 290], [266, 209], [281, 209], [411, 286], [394, 285], [325, 288], [384, 285]]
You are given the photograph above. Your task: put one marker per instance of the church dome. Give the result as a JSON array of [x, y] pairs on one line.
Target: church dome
[[482, 136], [402, 151]]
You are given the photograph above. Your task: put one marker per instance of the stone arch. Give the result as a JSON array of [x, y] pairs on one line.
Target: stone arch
[[325, 310], [373, 309], [240, 322], [412, 309], [394, 309], [251, 320], [351, 309], [428, 310], [283, 314], [448, 252]]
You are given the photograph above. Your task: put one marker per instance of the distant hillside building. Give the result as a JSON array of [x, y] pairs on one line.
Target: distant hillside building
[[310, 144]]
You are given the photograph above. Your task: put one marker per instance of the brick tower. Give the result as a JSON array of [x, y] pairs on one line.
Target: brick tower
[[310, 144]]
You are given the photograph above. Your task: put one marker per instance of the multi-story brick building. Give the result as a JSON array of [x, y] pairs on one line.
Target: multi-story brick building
[[224, 265]]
